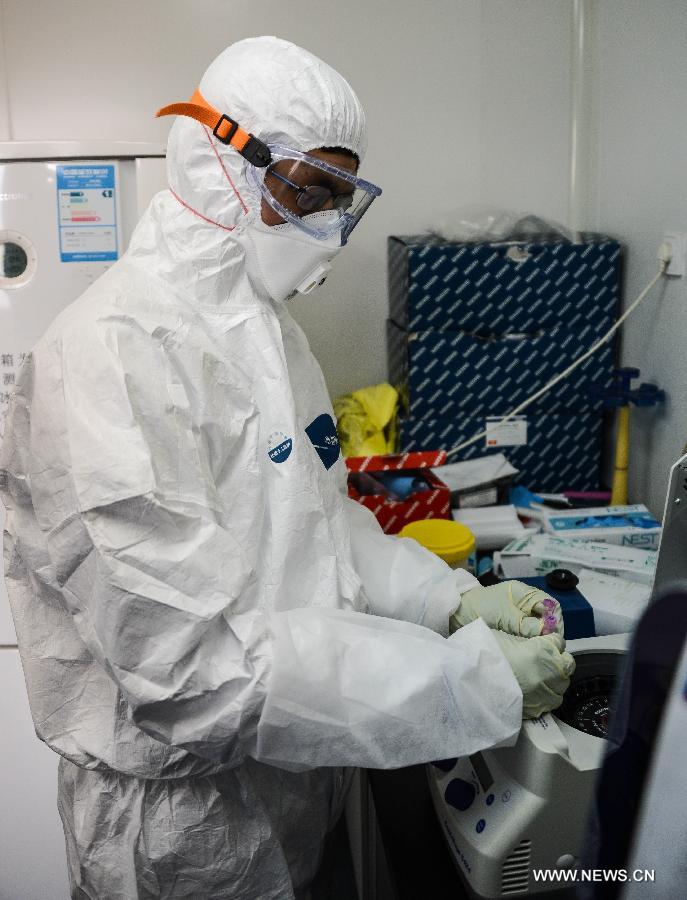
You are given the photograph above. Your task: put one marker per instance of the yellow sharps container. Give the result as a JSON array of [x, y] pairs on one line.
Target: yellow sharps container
[[450, 540]]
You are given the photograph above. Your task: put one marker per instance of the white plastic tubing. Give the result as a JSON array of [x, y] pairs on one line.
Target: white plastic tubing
[[579, 114]]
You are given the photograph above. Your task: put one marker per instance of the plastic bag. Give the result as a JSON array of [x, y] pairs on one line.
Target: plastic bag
[[472, 225], [366, 420]]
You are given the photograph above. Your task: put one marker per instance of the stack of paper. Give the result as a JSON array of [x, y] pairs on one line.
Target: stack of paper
[[492, 526]]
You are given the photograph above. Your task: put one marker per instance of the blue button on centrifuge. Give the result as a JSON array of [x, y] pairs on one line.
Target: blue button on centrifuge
[[490, 799], [481, 825], [459, 794]]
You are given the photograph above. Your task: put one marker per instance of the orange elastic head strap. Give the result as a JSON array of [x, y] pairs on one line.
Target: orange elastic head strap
[[224, 128]]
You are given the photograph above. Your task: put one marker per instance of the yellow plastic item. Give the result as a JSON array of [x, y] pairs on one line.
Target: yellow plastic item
[[365, 420], [622, 458], [453, 542]]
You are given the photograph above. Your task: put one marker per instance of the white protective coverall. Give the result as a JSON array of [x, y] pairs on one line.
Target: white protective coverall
[[208, 634]]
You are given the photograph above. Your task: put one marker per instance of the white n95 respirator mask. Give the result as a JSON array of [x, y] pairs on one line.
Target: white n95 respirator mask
[[283, 259]]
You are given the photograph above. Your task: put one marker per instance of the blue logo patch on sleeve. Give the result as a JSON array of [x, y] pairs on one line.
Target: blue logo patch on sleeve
[[280, 446], [323, 436]]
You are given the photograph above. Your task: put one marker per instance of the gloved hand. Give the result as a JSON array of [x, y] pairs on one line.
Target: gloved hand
[[511, 606], [542, 668]]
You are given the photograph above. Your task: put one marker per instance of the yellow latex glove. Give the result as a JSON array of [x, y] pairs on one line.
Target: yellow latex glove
[[511, 606], [542, 668]]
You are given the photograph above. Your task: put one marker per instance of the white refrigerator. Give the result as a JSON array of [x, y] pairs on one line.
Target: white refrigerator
[[67, 211]]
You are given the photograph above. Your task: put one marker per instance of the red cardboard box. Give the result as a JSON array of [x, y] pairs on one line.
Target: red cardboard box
[[392, 515]]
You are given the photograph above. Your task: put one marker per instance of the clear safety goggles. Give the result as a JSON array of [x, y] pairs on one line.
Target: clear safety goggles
[[295, 185]]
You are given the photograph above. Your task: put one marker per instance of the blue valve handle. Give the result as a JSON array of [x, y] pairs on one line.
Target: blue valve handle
[[620, 393]]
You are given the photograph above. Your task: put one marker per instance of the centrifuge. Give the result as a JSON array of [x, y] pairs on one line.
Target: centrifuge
[[509, 810]]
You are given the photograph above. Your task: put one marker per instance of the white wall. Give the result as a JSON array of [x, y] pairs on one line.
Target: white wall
[[642, 177], [466, 101], [525, 105]]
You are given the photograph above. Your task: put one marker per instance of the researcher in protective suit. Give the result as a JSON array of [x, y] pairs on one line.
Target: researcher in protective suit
[[210, 630]]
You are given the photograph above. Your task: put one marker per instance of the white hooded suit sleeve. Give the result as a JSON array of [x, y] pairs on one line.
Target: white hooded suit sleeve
[[159, 588], [403, 580]]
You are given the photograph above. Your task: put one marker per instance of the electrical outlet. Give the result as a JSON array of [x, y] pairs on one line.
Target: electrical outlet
[[678, 246]]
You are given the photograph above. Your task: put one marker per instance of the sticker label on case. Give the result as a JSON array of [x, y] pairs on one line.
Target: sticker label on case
[[87, 213], [512, 433]]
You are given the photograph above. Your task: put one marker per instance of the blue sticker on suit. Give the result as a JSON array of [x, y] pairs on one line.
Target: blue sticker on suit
[[323, 436], [279, 447]]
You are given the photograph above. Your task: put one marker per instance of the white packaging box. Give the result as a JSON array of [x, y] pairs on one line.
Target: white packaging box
[[571, 524], [492, 526], [538, 554], [618, 604]]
